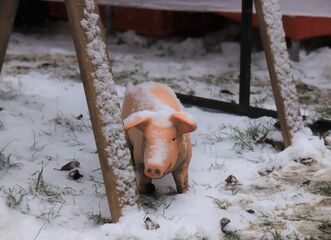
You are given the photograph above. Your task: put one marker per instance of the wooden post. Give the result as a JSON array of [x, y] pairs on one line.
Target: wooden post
[[8, 10], [283, 86], [102, 100]]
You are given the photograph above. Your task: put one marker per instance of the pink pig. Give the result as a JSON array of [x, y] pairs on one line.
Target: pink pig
[[157, 132]]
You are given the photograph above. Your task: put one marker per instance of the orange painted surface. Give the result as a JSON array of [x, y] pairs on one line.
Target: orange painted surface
[[159, 23], [295, 27], [143, 21], [158, 137], [58, 10]]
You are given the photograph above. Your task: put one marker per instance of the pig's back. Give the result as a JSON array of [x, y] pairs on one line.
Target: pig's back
[[150, 96]]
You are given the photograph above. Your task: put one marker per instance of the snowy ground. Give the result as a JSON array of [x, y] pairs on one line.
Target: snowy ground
[[45, 124]]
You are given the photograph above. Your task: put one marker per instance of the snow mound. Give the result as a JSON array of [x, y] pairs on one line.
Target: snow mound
[[307, 156]]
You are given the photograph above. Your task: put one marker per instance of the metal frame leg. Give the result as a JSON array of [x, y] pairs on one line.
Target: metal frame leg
[[295, 50], [245, 53]]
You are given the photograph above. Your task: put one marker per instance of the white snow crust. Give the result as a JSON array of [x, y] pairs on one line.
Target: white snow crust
[[142, 94]]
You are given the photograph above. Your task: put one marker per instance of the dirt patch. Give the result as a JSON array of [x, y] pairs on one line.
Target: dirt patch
[[326, 202], [56, 65], [308, 94]]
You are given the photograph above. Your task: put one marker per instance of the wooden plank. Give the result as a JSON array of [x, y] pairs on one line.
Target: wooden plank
[[8, 10], [283, 86], [103, 104]]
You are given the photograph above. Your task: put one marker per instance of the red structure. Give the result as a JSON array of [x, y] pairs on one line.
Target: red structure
[[296, 27], [160, 23]]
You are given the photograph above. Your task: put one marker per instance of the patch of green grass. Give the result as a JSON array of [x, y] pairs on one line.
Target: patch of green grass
[[98, 218], [273, 235], [51, 213], [293, 236], [325, 227], [5, 160], [259, 102], [216, 166], [276, 235], [2, 125], [324, 111], [322, 188], [14, 196], [232, 236], [72, 123], [35, 146], [320, 237], [220, 204], [246, 138], [43, 189]]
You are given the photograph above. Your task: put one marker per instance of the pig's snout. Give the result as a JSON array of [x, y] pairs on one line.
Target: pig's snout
[[154, 171]]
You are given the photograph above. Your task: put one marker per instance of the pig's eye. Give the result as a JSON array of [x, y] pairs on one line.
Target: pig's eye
[[174, 139]]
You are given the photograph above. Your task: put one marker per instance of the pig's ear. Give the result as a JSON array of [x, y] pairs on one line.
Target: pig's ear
[[139, 122], [184, 122]]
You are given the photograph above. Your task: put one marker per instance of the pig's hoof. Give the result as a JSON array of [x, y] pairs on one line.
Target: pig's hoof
[[149, 189], [182, 189]]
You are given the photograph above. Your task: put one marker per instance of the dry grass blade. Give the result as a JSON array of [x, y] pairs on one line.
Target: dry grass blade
[[325, 227], [322, 188]]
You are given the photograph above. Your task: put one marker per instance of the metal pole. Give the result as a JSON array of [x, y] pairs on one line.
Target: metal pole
[[245, 53]]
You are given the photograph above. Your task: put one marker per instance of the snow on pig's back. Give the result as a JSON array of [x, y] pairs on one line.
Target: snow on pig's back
[[150, 96]]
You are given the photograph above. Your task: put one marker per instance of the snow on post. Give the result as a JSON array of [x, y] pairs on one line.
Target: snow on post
[[103, 103], [285, 94]]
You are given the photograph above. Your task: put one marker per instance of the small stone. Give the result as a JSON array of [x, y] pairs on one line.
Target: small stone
[[306, 161], [79, 117], [251, 211], [307, 182], [150, 225], [69, 166], [223, 223], [231, 180], [49, 158], [265, 172], [75, 174], [327, 139], [225, 91]]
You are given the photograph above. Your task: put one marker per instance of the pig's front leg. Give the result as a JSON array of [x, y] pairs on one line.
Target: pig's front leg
[[181, 178], [144, 183]]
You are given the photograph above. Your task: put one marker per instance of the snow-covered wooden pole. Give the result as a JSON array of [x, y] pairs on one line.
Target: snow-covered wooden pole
[[8, 10], [283, 86], [103, 104]]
